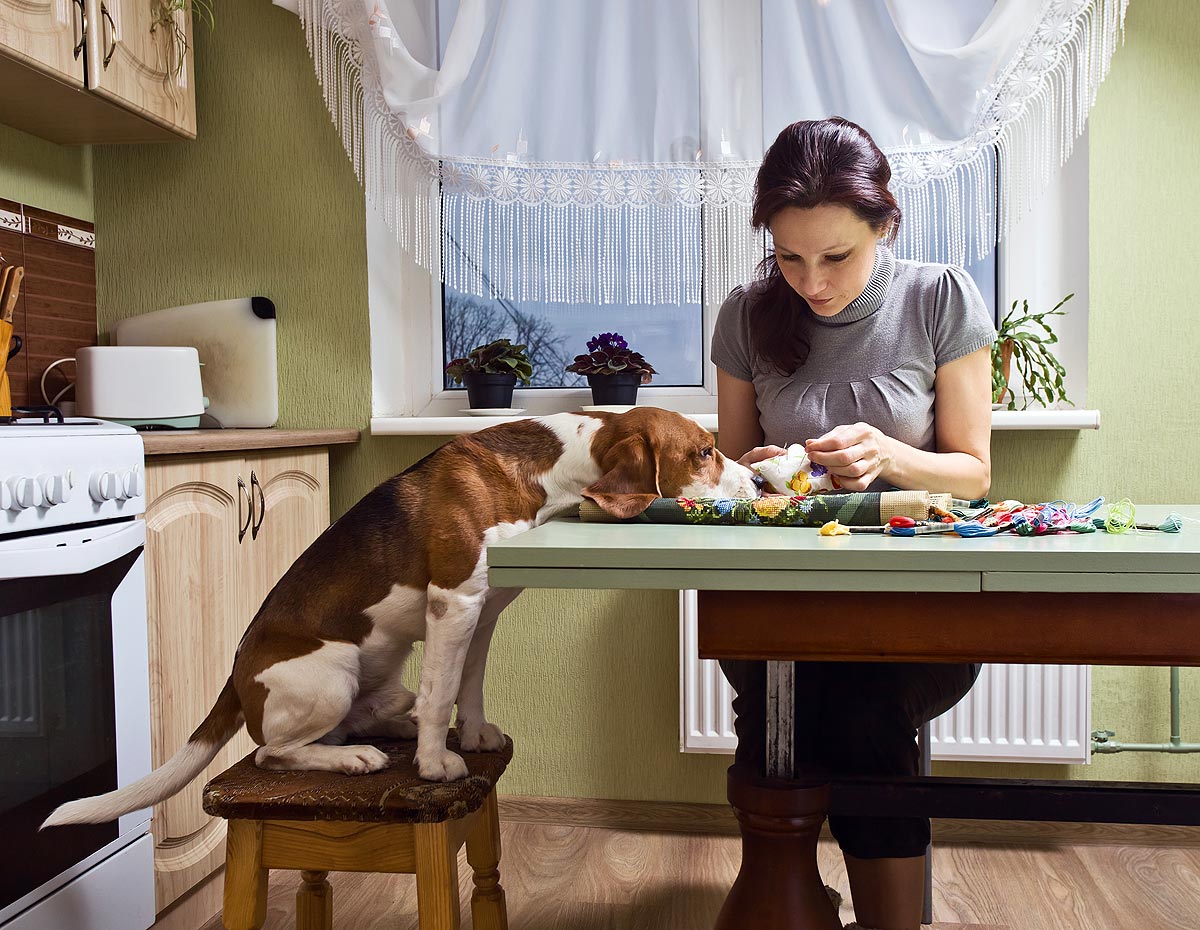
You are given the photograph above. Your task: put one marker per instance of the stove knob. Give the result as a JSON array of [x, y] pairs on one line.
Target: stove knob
[[56, 488], [134, 485], [26, 493], [6, 497], [103, 486]]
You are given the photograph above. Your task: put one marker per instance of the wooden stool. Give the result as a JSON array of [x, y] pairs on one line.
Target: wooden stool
[[388, 821]]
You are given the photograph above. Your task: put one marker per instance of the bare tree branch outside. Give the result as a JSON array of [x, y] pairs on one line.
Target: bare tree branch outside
[[473, 321]]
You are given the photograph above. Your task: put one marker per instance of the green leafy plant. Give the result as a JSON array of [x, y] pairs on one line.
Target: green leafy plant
[[609, 354], [1026, 340], [496, 358], [165, 19]]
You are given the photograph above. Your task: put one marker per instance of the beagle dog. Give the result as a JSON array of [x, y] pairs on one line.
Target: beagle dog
[[321, 661]]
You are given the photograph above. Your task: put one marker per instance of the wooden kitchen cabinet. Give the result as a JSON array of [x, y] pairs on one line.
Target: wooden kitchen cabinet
[[204, 585], [95, 71], [136, 64], [46, 35]]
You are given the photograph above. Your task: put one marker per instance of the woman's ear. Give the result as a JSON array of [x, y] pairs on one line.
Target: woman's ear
[[630, 480]]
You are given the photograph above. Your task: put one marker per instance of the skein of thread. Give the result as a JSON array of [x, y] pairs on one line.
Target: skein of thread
[[1122, 517]]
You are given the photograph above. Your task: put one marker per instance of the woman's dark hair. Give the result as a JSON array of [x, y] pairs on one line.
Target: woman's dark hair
[[811, 163]]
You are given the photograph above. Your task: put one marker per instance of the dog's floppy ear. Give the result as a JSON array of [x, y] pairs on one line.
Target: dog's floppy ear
[[630, 480]]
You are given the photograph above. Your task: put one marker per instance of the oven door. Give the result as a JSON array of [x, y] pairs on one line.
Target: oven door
[[74, 699]]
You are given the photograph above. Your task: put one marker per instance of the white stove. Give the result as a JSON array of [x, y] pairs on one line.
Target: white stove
[[74, 673], [77, 471]]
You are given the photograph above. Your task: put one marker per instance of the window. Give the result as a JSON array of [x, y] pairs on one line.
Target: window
[[1044, 258]]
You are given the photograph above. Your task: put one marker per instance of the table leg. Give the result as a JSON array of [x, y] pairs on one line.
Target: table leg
[[781, 724], [778, 886]]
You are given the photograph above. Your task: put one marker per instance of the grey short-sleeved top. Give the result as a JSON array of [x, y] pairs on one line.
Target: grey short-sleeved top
[[873, 362]]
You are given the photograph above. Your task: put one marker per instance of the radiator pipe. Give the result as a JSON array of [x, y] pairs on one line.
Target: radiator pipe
[[1102, 740]]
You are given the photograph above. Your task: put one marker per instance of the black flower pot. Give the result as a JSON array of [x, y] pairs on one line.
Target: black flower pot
[[618, 388], [485, 390]]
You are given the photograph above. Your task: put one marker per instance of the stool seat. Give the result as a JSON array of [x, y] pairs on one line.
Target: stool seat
[[388, 821], [396, 794]]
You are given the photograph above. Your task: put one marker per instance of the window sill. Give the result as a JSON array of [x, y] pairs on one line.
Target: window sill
[[456, 425]]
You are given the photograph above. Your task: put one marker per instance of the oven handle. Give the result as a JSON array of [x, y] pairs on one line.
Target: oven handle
[[91, 552]]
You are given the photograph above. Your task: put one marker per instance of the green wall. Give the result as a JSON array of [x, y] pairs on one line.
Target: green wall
[[41, 174], [265, 202]]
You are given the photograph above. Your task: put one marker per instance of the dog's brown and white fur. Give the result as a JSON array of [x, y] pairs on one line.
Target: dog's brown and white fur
[[322, 659]]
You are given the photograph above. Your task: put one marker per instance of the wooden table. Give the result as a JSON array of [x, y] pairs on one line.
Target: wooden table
[[1130, 599]]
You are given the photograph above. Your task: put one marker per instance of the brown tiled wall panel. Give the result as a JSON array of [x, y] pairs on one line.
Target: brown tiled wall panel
[[56, 313]]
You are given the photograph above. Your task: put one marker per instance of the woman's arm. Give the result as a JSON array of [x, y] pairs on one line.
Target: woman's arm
[[739, 433], [859, 453]]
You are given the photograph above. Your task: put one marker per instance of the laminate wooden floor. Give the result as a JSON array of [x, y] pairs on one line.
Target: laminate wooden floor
[[584, 878]]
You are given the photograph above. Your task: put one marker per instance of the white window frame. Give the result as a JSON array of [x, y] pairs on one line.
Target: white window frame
[[1042, 259]]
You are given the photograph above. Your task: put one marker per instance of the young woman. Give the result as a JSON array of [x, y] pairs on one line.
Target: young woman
[[882, 367]]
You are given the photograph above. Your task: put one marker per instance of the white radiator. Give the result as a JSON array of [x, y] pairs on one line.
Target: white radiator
[[1015, 713], [20, 665]]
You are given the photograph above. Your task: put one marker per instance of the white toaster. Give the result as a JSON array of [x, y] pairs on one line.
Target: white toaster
[[140, 385]]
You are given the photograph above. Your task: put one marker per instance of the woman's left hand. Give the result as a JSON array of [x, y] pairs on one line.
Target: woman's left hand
[[857, 454]]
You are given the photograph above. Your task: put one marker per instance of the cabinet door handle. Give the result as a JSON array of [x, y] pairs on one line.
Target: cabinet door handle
[[112, 29], [83, 29], [262, 505], [243, 491]]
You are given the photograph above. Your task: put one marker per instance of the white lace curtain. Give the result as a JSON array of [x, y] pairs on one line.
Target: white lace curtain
[[590, 152]]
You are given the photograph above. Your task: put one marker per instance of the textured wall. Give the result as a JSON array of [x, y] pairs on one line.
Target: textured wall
[[41, 174], [265, 202]]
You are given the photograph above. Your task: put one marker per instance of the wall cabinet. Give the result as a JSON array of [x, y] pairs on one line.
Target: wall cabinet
[[82, 71], [221, 529]]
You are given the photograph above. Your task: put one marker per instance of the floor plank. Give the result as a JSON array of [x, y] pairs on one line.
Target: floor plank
[[588, 878]]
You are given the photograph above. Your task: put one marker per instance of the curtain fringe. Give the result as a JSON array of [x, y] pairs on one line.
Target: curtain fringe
[[646, 234]]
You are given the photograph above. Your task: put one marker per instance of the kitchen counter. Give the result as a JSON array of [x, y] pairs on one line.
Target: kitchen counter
[[193, 441]]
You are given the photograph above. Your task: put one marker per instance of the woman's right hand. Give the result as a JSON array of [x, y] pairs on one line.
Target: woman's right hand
[[759, 453]]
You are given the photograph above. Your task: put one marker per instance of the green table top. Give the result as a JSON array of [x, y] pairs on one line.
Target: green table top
[[566, 553]]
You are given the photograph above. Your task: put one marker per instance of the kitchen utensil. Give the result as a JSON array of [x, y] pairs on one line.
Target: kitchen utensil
[[140, 386], [11, 290], [6, 336], [5, 270], [235, 340]]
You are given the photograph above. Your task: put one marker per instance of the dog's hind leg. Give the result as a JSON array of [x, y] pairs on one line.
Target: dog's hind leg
[[383, 713], [474, 730], [451, 617], [307, 697]]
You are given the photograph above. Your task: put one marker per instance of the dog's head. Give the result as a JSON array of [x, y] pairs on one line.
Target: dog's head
[[648, 453]]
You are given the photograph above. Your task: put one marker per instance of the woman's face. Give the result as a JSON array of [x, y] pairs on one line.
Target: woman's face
[[825, 253]]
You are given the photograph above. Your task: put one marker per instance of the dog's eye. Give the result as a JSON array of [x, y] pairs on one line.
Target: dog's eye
[[706, 452]]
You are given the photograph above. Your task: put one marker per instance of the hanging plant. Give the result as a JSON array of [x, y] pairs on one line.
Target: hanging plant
[[166, 20]]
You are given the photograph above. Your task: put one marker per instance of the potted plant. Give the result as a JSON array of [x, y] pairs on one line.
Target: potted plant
[[490, 373], [1026, 339], [613, 370]]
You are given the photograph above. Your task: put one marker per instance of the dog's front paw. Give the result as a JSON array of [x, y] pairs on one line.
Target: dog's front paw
[[360, 760], [441, 765], [485, 738]]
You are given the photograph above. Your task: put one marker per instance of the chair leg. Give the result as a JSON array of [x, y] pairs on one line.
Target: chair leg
[[314, 902], [437, 877], [488, 910], [245, 905]]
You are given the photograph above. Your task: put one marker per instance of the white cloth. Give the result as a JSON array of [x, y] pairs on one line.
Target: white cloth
[[568, 148]]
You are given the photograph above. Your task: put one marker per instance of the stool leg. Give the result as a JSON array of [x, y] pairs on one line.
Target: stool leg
[[314, 902], [483, 853], [437, 877], [245, 878]]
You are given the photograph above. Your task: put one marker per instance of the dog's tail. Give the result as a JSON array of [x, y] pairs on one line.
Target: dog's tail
[[218, 728]]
